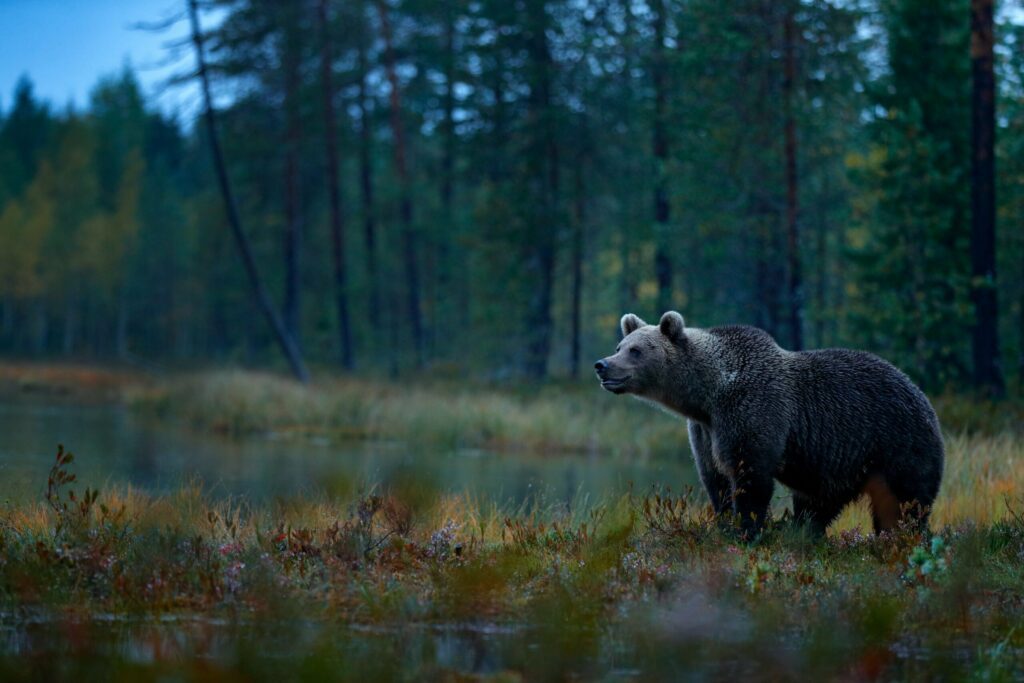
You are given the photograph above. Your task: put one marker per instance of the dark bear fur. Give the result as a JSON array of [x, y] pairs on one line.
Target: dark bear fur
[[831, 425]]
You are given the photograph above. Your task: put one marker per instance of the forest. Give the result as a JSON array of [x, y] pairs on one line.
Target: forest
[[485, 186], [295, 345]]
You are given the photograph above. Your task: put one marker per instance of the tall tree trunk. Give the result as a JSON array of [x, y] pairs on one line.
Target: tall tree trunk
[[333, 192], [121, 332], [796, 294], [663, 266], [292, 199], [284, 340], [409, 248], [628, 273], [448, 127], [579, 229], [366, 189], [7, 323], [543, 164], [70, 324], [822, 257], [496, 166], [446, 258], [988, 375], [40, 328]]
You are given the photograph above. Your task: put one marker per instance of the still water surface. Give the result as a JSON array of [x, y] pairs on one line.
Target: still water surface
[[113, 446]]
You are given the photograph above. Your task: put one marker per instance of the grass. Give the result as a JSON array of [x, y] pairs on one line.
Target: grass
[[409, 584], [68, 380], [373, 586], [536, 418]]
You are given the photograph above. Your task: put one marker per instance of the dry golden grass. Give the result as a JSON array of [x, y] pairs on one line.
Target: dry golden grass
[[983, 481], [82, 382], [545, 417]]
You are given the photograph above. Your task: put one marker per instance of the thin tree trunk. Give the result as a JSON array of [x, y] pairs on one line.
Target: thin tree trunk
[[121, 335], [333, 193], [796, 294], [663, 266], [577, 267], [69, 325], [988, 375], [292, 199], [821, 283], [496, 167], [448, 152], [543, 162], [627, 278], [445, 237], [366, 187], [40, 328], [409, 247], [284, 340]]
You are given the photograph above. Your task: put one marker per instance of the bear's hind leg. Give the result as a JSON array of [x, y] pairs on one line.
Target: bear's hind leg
[[893, 502], [886, 509]]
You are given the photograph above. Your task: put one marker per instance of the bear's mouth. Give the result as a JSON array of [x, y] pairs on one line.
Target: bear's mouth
[[614, 384]]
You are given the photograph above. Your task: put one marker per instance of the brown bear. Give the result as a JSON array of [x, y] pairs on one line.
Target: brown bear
[[831, 425]]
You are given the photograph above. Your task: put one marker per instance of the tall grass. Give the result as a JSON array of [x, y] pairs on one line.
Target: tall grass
[[536, 418], [983, 481]]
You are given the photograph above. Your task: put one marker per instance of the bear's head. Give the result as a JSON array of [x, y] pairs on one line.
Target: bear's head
[[645, 357]]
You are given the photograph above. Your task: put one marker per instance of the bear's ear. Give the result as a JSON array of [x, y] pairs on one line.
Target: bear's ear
[[673, 326], [630, 323]]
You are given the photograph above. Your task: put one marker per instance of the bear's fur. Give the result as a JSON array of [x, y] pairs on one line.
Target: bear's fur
[[831, 425]]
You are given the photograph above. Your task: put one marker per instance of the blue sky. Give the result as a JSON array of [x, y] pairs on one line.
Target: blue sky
[[66, 45]]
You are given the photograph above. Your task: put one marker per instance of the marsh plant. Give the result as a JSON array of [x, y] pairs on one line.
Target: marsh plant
[[573, 590]]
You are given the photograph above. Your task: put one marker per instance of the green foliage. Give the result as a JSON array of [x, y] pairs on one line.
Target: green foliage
[[910, 297], [530, 145]]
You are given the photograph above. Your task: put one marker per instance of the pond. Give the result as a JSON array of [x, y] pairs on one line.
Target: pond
[[113, 446]]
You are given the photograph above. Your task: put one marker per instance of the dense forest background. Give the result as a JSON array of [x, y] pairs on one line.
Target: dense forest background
[[485, 186]]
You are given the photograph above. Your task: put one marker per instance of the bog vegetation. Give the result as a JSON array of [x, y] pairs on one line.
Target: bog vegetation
[[647, 583]]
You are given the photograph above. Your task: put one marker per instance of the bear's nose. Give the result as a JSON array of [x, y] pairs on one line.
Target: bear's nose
[[601, 365]]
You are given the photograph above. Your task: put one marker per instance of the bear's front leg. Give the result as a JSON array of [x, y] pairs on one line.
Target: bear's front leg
[[751, 498], [717, 485]]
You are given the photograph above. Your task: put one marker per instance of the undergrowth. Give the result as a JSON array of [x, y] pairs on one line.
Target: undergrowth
[[649, 578]]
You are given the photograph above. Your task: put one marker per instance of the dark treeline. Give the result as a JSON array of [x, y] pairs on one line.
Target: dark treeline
[[488, 185]]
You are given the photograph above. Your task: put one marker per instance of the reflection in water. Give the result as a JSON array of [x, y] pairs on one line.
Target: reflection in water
[[112, 446], [483, 649]]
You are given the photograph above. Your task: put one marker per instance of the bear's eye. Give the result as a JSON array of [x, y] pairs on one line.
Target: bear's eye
[[634, 352]]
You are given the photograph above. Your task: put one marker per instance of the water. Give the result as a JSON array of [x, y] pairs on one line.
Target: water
[[113, 446]]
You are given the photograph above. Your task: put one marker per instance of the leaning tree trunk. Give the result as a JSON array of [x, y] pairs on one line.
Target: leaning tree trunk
[[284, 340], [410, 254], [988, 375], [334, 193]]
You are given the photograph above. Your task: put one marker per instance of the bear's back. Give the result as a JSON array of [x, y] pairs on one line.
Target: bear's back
[[854, 410]]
